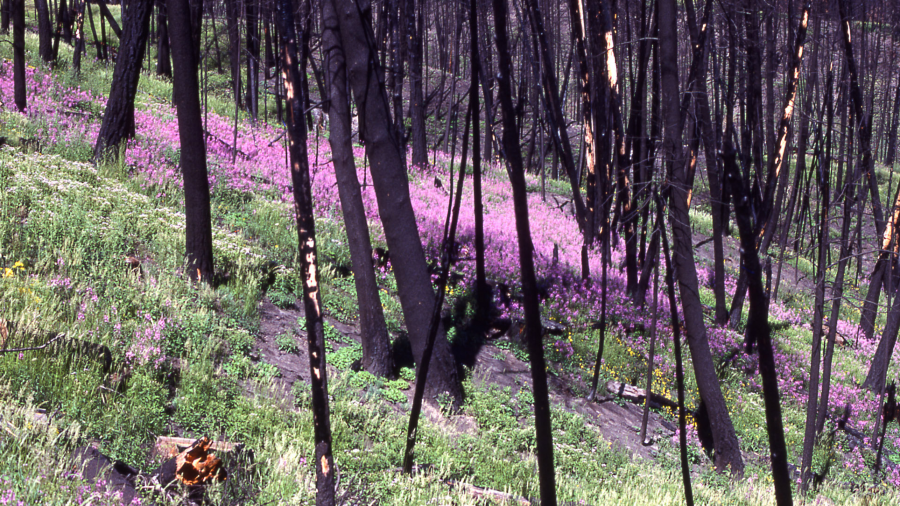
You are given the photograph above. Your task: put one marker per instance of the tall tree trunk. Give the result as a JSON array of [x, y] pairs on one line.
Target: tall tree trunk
[[809, 438], [17, 8], [892, 137], [374, 334], [79, 37], [252, 58], [392, 193], [531, 306], [758, 326], [679, 368], [118, 119], [186, 90], [306, 236], [416, 92], [163, 60], [728, 455], [45, 39], [482, 290], [5, 16], [232, 19]]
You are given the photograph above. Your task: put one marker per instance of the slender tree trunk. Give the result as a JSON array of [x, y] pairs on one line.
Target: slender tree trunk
[[118, 119], [417, 95], [79, 37], [252, 58], [679, 368], [18, 19], [892, 137], [392, 192], [45, 40], [531, 306], [482, 290], [809, 438], [186, 90], [306, 236], [727, 448], [5, 16], [758, 327], [163, 61], [374, 335], [232, 18]]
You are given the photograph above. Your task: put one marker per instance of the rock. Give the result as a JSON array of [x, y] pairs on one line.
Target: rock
[[94, 467]]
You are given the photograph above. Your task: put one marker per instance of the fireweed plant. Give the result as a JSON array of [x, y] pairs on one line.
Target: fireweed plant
[[66, 226]]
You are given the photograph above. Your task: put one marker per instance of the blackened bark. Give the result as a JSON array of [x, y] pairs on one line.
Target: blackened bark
[[17, 8], [232, 18], [416, 91], [679, 368], [163, 60], [531, 306], [252, 58], [892, 137], [79, 38], [306, 235], [373, 330], [392, 192], [809, 437], [5, 10], [482, 290], [728, 455], [186, 90], [45, 40], [758, 326], [118, 119], [107, 15]]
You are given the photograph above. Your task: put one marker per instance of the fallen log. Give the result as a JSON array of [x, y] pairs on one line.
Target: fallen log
[[635, 394]]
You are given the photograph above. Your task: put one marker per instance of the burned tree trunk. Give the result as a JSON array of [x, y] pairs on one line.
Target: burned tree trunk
[[163, 60], [18, 19], [728, 455], [392, 192], [374, 334], [306, 235], [45, 36], [118, 119], [186, 90], [531, 305]]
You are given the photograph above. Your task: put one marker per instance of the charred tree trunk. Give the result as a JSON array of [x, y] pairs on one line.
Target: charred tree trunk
[[531, 306], [416, 91], [392, 192], [374, 334], [45, 40], [482, 290], [17, 8], [232, 19], [758, 327], [5, 16], [163, 60], [186, 90], [306, 236], [118, 119], [252, 58], [728, 455]]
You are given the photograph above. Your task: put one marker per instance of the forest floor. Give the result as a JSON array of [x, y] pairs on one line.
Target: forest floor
[[228, 361]]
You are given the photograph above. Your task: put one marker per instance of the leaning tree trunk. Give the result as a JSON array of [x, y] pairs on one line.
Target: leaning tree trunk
[[758, 327], [186, 91], [531, 305], [118, 119], [392, 193], [728, 453], [18, 18], [306, 235], [374, 334]]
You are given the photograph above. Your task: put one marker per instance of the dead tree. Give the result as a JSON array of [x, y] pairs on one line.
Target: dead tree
[[306, 236]]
